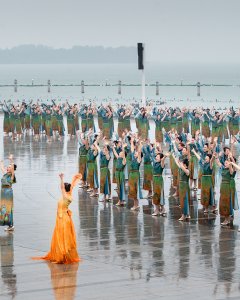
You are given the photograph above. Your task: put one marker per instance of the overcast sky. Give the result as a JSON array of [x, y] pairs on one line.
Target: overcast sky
[[173, 30]]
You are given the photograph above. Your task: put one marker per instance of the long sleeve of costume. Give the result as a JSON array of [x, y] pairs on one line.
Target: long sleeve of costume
[[200, 145], [167, 138]]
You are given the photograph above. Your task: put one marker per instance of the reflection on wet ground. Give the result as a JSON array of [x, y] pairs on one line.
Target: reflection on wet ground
[[125, 255]]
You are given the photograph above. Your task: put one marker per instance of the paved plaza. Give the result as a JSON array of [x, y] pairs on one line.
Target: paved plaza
[[125, 254]]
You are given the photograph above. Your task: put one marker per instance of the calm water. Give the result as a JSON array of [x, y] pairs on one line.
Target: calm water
[[127, 73]]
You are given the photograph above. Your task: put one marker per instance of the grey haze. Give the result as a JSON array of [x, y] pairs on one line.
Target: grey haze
[[173, 30]]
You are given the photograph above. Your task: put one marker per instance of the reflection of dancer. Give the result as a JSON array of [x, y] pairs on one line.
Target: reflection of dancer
[[64, 279], [6, 204], [64, 246], [8, 276]]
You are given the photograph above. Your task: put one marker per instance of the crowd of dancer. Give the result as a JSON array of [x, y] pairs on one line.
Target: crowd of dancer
[[200, 147], [195, 163], [192, 141]]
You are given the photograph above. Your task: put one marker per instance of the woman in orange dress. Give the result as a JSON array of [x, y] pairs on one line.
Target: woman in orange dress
[[64, 246]]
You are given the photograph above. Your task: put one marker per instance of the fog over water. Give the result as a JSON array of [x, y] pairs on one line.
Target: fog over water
[[128, 74]]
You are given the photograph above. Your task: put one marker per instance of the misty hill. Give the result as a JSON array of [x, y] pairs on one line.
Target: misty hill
[[30, 54]]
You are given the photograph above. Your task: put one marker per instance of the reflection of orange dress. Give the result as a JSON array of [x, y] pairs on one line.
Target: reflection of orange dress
[[64, 280], [63, 245]]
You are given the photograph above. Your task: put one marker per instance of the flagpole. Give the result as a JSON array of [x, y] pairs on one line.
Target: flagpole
[[143, 89]]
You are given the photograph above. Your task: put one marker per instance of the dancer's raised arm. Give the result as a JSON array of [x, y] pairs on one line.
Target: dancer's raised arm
[[185, 170], [2, 166], [196, 154], [237, 167], [62, 186]]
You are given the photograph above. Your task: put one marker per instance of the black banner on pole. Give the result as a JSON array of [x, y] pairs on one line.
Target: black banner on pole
[[140, 56]]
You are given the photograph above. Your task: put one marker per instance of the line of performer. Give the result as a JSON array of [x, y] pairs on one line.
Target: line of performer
[[48, 119]]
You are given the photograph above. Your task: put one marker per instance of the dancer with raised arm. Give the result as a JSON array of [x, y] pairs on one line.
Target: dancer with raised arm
[[64, 245], [207, 186], [105, 179], [135, 192], [6, 203], [119, 174], [158, 184], [83, 151], [92, 169], [225, 203], [184, 190]]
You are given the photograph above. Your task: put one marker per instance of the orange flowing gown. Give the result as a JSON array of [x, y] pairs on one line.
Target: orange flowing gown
[[63, 246]]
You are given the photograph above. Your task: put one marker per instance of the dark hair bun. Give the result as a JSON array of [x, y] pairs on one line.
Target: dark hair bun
[[15, 167], [67, 186], [186, 162], [210, 156]]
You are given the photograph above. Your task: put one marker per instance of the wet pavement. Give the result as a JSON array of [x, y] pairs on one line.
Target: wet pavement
[[125, 255]]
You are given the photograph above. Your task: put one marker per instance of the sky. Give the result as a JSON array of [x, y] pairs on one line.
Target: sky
[[173, 30]]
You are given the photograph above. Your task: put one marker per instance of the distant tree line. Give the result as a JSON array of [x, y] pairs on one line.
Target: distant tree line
[[30, 54]]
